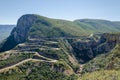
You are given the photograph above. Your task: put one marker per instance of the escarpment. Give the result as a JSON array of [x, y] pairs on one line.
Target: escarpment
[[19, 33], [89, 48], [31, 27]]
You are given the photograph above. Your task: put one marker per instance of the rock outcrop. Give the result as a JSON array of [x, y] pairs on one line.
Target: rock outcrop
[[20, 32], [89, 48]]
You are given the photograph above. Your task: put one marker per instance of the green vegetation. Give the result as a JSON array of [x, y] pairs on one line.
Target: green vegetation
[[42, 30], [37, 71], [96, 25], [109, 61], [59, 54], [13, 59], [102, 75], [103, 67], [55, 58], [46, 27]]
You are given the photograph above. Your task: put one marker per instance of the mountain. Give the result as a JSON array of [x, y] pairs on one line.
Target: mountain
[[5, 31], [52, 49], [34, 26], [96, 25]]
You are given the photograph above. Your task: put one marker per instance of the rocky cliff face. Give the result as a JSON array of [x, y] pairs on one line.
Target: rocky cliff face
[[89, 48], [84, 49], [20, 32]]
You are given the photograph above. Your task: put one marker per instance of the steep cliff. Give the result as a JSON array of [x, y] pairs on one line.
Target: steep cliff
[[20, 32], [88, 48]]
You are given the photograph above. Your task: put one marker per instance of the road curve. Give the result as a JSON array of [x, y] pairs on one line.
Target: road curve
[[26, 60]]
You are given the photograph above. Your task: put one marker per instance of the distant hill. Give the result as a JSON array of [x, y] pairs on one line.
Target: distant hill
[[5, 31], [97, 25]]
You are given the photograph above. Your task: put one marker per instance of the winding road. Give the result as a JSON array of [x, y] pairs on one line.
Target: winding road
[[26, 60]]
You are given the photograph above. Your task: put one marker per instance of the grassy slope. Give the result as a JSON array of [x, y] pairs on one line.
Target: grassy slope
[[35, 70], [105, 61], [54, 27], [44, 71], [104, 67], [102, 75], [97, 25]]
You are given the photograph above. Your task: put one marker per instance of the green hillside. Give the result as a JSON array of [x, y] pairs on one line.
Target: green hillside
[[41, 48], [35, 26], [83, 27], [103, 67], [102, 75], [105, 61], [45, 59], [46, 27], [97, 25]]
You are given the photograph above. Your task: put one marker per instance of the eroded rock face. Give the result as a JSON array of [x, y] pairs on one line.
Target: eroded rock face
[[84, 49], [20, 32], [107, 42], [89, 48]]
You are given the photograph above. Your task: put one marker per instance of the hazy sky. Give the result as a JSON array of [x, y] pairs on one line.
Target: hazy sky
[[11, 10]]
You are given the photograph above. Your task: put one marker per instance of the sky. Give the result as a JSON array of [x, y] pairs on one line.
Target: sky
[[11, 10]]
